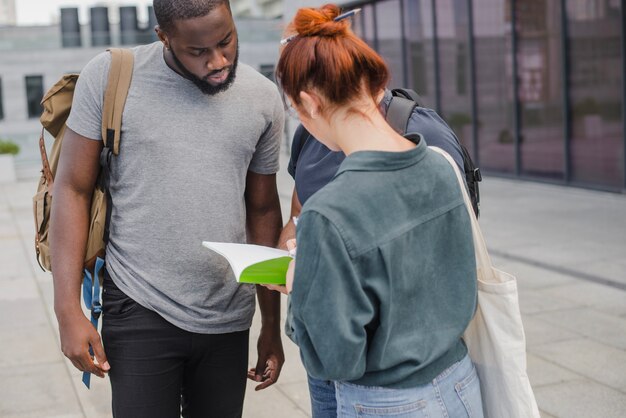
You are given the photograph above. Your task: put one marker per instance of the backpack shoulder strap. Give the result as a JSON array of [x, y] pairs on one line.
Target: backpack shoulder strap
[[120, 75], [403, 102], [408, 94], [399, 113]]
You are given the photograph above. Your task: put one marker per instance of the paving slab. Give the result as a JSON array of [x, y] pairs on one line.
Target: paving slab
[[28, 345], [540, 332], [16, 314], [20, 194], [598, 326], [572, 255], [542, 372], [42, 390], [270, 403], [581, 399], [601, 363], [550, 222], [600, 297], [7, 229], [613, 268], [94, 402], [535, 301], [13, 262], [13, 288], [298, 393], [530, 276]]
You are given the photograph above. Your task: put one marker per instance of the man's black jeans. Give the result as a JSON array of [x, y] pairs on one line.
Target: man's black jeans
[[158, 368]]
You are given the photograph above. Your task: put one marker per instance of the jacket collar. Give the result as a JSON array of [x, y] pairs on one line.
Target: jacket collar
[[385, 160]]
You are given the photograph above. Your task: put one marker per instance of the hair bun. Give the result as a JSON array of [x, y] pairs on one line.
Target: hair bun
[[320, 22]]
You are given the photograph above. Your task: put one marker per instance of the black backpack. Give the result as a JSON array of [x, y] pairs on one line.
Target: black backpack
[[402, 104]]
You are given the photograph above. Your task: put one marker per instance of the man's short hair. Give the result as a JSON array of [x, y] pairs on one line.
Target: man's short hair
[[168, 11]]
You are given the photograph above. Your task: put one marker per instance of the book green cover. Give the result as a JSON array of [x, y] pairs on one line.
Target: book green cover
[[254, 263]]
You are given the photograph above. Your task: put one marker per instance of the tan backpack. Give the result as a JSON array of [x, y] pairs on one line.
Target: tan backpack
[[57, 104]]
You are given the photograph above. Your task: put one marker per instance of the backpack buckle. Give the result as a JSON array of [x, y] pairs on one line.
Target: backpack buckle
[[96, 310], [477, 175]]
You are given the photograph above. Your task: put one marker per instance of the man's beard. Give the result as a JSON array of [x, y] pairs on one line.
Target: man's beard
[[204, 86]]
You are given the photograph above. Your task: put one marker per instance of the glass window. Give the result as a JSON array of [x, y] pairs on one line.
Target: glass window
[[462, 69], [540, 88], [34, 94], [363, 24], [390, 39], [453, 35], [418, 32], [494, 80], [597, 147]]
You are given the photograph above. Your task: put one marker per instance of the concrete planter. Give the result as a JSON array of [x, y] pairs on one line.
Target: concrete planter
[[7, 168]]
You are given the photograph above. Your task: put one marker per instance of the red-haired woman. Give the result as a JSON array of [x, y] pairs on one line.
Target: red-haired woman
[[385, 278]]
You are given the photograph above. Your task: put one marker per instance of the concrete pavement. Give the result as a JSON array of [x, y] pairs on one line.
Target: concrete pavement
[[566, 246]]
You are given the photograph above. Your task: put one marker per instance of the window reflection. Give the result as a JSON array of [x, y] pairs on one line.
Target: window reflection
[[594, 78], [390, 39], [595, 87], [494, 81], [363, 24], [418, 32], [453, 35], [540, 89]]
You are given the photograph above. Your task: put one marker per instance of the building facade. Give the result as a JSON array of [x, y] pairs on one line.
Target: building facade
[[534, 88], [7, 12], [33, 58], [257, 8]]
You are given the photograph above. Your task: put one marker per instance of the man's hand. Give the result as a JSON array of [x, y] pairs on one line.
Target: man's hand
[[77, 334], [263, 223], [271, 358]]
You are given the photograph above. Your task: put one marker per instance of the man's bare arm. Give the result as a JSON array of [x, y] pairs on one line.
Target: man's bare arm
[[263, 224], [73, 187]]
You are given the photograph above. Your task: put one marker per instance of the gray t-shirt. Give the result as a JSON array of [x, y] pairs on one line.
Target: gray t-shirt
[[178, 180]]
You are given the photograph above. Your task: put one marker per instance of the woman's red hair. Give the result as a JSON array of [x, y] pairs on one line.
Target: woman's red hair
[[328, 56]]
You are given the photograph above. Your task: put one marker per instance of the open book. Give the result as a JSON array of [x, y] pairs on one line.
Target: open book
[[254, 263]]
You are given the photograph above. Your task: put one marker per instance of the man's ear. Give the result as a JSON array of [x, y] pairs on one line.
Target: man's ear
[[162, 36], [311, 103]]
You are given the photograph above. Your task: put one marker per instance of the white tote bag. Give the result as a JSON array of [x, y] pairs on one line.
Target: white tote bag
[[495, 336]]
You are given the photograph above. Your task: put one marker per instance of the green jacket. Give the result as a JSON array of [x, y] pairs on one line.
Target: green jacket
[[385, 279]]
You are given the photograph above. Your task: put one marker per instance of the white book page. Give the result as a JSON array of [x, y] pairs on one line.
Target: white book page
[[241, 256]]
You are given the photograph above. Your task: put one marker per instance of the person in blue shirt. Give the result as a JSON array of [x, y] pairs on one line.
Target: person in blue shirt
[[385, 279]]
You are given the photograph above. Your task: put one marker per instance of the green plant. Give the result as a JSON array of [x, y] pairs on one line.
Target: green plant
[[8, 147], [505, 137], [458, 120], [585, 107]]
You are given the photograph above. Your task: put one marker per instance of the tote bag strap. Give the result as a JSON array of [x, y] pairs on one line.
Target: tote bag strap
[[483, 261]]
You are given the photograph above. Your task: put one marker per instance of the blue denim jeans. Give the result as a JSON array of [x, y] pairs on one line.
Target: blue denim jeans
[[323, 401], [455, 393]]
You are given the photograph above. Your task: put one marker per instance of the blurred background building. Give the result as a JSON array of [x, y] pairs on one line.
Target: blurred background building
[[257, 8], [7, 13], [534, 88], [34, 57]]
